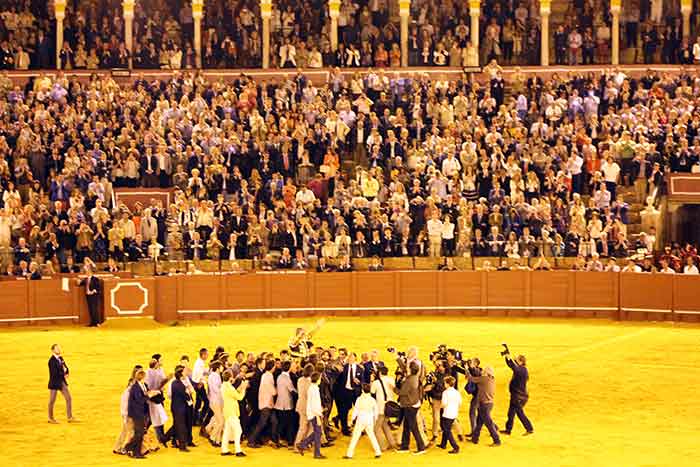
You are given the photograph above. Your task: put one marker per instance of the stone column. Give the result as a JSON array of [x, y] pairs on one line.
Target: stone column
[[60, 14], [334, 12], [197, 8], [474, 14], [686, 10], [128, 11], [404, 14], [615, 8], [266, 13], [545, 10]]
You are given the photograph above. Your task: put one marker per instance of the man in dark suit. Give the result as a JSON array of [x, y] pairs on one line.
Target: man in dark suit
[[137, 409], [148, 169], [92, 293], [349, 388], [180, 406], [58, 374]]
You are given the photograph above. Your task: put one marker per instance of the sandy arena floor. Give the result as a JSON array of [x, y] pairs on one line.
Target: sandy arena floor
[[602, 393]]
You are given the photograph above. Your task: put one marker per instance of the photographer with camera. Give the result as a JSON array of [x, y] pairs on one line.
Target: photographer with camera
[[410, 399], [473, 369], [434, 387], [486, 384], [518, 392], [404, 361]]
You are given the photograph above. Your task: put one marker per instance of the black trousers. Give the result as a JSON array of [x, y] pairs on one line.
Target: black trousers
[[201, 407], [285, 419], [267, 416], [447, 436], [189, 423], [410, 427], [93, 303], [483, 417], [134, 446], [180, 428], [516, 408], [344, 404]]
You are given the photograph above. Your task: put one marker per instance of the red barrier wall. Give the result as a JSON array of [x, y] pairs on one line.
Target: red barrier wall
[[469, 293]]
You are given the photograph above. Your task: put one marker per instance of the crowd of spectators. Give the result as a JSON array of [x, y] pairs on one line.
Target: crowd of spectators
[[368, 34], [372, 165]]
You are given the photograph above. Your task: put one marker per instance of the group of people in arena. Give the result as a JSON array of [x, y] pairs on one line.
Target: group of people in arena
[[310, 396], [378, 164]]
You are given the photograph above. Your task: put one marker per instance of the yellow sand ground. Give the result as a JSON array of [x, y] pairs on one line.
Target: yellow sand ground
[[602, 393]]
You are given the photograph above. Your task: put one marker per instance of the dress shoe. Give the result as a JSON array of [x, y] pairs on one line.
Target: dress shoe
[[240, 454], [441, 446], [528, 433], [227, 453], [254, 445], [402, 451], [300, 449], [495, 445], [460, 438], [184, 450], [326, 445], [377, 456], [347, 457], [505, 432], [73, 420], [421, 452], [53, 421], [453, 451], [140, 456], [321, 456], [192, 445]]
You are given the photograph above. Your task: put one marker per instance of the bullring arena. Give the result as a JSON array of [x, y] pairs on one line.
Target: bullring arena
[[362, 232]]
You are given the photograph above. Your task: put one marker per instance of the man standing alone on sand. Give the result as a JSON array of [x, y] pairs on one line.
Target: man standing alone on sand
[[58, 374]]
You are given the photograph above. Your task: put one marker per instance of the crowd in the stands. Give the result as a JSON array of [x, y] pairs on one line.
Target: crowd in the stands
[[369, 165], [368, 34]]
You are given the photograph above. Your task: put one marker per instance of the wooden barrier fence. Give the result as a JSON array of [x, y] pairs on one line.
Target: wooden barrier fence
[[625, 296]]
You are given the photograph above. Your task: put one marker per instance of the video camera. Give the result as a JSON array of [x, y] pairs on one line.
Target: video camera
[[442, 351], [393, 350], [506, 350]]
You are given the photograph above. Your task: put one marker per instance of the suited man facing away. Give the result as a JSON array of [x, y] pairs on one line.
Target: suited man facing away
[[58, 374]]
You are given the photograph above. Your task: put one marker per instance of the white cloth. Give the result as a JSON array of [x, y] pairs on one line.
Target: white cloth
[[313, 402], [451, 400], [198, 370], [232, 431]]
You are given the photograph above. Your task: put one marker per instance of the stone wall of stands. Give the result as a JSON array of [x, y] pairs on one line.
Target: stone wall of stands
[[565, 294]]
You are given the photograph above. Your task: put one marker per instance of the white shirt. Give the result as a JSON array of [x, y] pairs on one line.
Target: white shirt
[[611, 171], [198, 370], [434, 228], [313, 402], [379, 393], [451, 400], [690, 269], [214, 386], [448, 230], [365, 411]]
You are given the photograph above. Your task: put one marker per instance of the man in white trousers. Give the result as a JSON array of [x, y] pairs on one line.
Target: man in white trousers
[[364, 414], [232, 424]]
